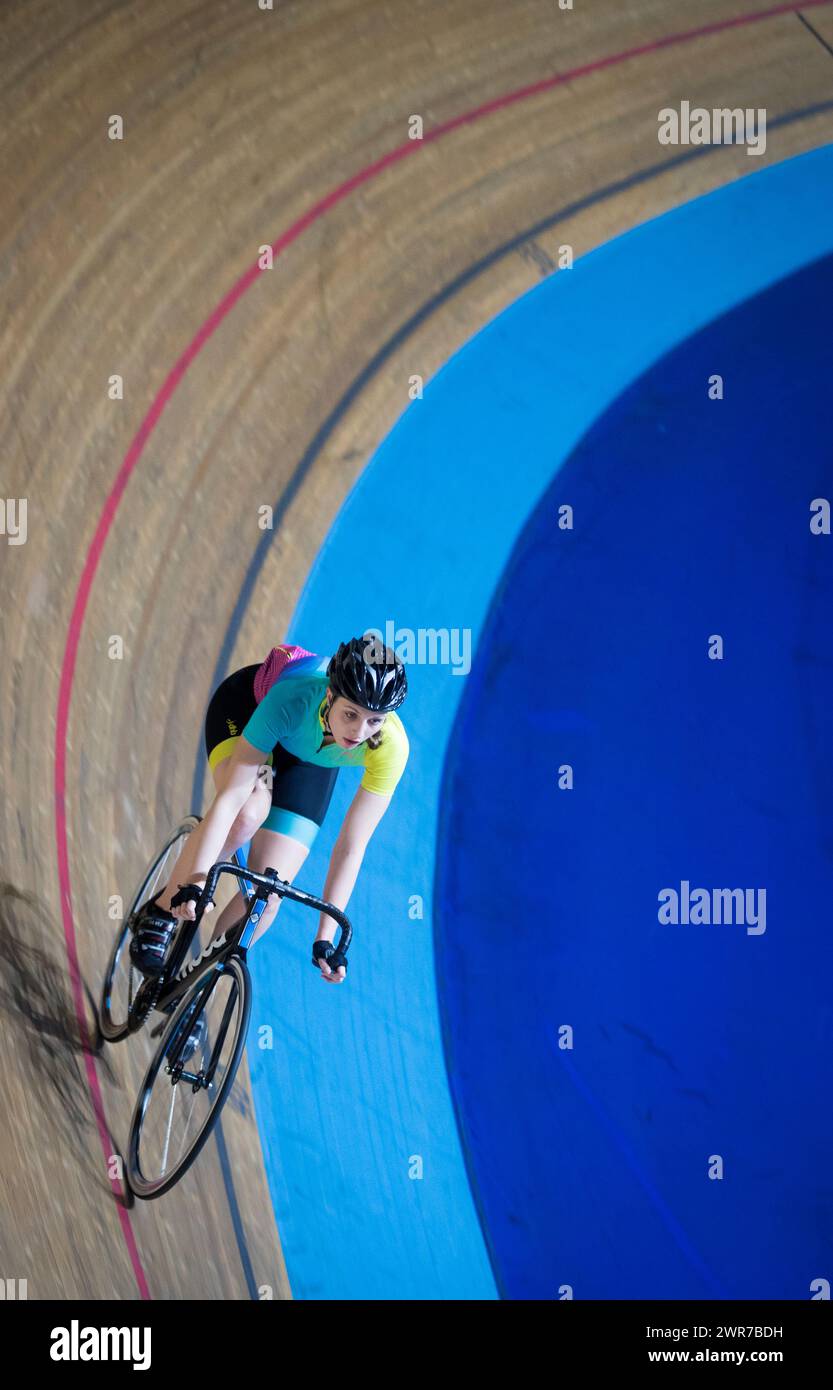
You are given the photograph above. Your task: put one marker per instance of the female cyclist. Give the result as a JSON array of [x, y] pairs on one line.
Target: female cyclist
[[305, 717]]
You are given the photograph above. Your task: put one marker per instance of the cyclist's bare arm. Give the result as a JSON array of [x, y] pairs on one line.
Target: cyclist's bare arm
[[211, 834], [366, 811]]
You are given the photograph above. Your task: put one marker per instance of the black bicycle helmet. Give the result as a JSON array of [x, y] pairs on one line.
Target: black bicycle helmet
[[367, 672]]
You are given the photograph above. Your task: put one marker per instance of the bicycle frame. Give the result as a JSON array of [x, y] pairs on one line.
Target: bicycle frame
[[181, 973]]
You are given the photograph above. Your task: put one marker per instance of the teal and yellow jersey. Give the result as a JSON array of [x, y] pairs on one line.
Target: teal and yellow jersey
[[291, 713]]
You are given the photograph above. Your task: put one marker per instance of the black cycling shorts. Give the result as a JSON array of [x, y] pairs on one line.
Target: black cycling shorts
[[301, 791]]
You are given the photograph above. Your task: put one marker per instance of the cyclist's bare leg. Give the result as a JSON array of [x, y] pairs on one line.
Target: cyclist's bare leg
[[252, 814], [269, 850]]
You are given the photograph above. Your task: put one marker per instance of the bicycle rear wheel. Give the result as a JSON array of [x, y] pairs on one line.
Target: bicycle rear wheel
[[122, 979], [183, 1094]]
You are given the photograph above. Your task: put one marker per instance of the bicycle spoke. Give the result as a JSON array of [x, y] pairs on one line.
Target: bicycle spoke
[[188, 1122], [166, 1146]]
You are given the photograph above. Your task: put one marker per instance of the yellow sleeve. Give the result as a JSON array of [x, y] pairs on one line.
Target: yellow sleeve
[[383, 766]]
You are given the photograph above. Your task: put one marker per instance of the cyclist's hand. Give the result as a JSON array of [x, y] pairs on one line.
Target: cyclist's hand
[[332, 976], [184, 902]]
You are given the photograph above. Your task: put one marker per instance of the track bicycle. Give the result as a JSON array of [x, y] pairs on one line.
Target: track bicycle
[[206, 996]]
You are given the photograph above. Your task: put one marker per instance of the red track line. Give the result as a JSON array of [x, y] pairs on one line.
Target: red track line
[[146, 428], [546, 84]]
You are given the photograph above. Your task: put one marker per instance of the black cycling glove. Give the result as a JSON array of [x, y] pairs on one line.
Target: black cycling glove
[[325, 950]]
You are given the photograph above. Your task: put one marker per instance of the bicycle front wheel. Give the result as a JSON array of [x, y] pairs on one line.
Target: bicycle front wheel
[[189, 1079]]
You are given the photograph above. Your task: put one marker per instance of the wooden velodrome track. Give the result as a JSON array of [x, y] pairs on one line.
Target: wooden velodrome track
[[245, 127]]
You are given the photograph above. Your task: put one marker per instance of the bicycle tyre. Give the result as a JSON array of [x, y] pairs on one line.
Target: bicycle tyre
[[148, 1189]]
